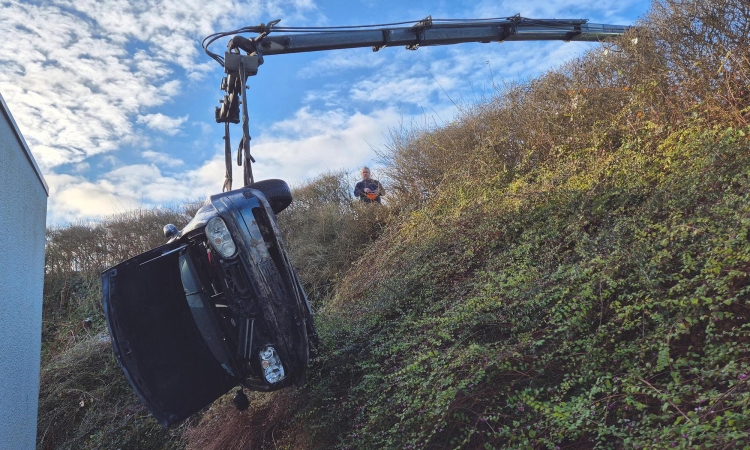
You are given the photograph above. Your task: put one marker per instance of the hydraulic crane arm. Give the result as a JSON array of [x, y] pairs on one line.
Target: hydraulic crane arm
[[429, 32], [424, 33]]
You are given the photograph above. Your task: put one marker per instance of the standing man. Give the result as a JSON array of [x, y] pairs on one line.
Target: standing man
[[368, 190]]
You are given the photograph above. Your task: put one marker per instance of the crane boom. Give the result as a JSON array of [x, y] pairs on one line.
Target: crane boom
[[427, 32]]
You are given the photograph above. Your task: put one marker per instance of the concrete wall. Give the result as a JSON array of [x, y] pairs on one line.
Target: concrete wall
[[23, 210]]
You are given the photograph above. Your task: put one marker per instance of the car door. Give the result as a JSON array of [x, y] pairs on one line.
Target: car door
[[155, 337]]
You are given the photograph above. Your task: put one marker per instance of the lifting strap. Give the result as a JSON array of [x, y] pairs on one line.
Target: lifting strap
[[227, 160]]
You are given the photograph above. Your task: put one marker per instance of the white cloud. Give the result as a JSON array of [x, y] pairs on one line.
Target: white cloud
[[313, 142], [343, 60], [140, 185], [459, 72], [81, 167], [78, 74], [72, 95], [329, 94], [160, 122], [408, 89], [72, 82], [162, 158], [595, 10], [171, 27]]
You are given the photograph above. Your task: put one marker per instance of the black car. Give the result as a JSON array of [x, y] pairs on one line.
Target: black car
[[218, 306]]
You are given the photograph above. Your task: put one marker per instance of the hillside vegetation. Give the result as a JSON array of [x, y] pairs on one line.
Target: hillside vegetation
[[565, 266]]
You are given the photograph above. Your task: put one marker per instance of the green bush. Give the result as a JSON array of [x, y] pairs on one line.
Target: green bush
[[326, 230]]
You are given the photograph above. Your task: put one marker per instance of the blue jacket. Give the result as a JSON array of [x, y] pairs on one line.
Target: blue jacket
[[359, 190]]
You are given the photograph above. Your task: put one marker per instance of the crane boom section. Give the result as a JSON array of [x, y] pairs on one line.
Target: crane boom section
[[426, 34]]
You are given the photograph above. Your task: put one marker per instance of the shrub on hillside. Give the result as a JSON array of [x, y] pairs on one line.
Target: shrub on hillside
[[90, 247], [326, 230]]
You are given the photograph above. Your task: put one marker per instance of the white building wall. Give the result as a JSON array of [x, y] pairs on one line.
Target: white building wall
[[23, 210]]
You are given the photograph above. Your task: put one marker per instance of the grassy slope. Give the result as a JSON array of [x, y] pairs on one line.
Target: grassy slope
[[603, 300], [609, 307]]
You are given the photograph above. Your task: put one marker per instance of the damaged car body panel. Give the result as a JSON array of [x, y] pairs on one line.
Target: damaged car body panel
[[217, 306]]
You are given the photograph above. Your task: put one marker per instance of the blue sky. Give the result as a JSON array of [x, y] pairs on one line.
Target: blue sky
[[115, 98]]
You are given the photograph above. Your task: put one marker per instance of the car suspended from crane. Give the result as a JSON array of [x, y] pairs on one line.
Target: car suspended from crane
[[220, 304]]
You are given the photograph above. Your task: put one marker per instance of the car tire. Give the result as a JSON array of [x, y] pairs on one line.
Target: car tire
[[277, 193]]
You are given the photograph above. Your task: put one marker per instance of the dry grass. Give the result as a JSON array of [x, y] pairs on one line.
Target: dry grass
[[262, 426], [86, 402], [326, 231]]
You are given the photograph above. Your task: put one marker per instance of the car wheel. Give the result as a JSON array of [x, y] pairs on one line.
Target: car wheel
[[277, 193]]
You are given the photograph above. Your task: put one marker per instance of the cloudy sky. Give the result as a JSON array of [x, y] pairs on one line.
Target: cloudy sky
[[115, 97]]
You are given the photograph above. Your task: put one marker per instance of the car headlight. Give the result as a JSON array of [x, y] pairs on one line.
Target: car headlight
[[221, 240], [271, 364]]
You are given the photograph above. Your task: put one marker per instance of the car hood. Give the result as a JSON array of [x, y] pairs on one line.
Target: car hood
[[155, 338]]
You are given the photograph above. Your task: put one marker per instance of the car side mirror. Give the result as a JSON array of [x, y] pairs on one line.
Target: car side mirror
[[169, 231]]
